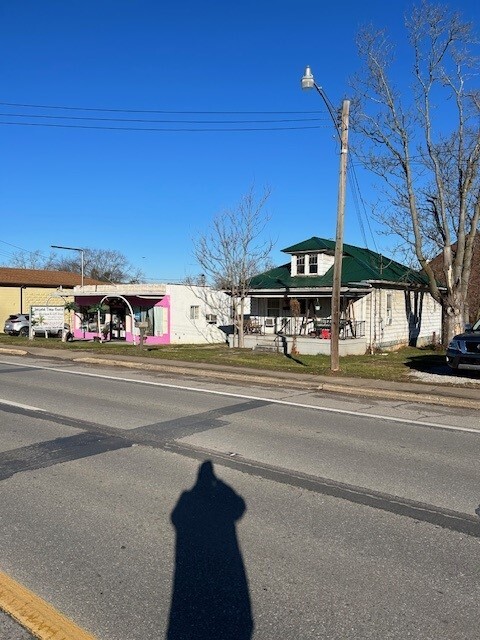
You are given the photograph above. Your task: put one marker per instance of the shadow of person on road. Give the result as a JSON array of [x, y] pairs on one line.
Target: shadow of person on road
[[210, 598]]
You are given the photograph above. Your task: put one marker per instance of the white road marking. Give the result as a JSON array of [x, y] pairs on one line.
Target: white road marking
[[228, 394], [20, 406]]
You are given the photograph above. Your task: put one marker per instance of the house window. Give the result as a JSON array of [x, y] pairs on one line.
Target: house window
[[389, 310], [300, 264], [313, 263], [194, 312], [273, 307]]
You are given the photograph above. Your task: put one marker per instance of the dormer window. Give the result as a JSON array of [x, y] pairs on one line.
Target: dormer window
[[311, 264]]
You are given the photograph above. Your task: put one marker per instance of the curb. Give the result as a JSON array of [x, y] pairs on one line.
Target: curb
[[14, 352], [407, 396], [263, 379], [35, 614], [312, 385]]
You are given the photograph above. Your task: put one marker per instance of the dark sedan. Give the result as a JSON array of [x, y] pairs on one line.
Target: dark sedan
[[463, 352]]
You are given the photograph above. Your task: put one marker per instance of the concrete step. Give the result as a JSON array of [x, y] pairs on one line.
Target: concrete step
[[271, 346]]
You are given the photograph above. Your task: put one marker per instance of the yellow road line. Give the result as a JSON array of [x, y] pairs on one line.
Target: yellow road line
[[36, 615]]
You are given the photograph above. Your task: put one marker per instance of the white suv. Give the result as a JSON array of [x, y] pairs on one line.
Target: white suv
[[17, 325]]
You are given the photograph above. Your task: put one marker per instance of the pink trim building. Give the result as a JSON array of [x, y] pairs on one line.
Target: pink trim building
[[165, 313]]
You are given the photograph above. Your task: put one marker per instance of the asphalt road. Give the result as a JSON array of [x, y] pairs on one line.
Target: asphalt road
[[323, 517], [11, 630]]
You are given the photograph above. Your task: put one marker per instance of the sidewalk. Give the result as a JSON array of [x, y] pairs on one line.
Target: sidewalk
[[427, 393]]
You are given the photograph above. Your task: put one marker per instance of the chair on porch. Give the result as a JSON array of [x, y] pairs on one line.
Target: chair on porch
[[252, 325]]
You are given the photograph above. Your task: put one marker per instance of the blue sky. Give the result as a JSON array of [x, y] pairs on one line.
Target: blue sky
[[147, 193]]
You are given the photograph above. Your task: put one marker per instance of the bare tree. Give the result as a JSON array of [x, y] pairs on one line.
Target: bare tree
[[425, 145], [108, 265], [233, 250], [295, 310], [30, 260]]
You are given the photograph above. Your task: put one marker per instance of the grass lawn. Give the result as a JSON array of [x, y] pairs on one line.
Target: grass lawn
[[394, 365]]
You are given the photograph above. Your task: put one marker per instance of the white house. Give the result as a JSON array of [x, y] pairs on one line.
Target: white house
[[383, 304]]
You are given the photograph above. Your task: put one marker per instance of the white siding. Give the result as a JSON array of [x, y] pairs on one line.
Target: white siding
[[415, 318], [324, 263], [184, 329]]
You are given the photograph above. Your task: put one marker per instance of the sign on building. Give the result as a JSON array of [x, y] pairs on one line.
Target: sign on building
[[48, 320]]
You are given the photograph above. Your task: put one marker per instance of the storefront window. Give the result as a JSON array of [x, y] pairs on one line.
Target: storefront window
[[145, 314], [90, 319]]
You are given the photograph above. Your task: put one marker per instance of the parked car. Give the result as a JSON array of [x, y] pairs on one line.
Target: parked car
[[17, 325], [56, 332], [463, 352]]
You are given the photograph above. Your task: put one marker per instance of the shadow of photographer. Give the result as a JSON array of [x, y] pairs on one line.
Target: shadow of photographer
[[210, 598]]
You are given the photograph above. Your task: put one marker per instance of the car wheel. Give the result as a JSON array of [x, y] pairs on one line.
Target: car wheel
[[59, 333], [23, 332]]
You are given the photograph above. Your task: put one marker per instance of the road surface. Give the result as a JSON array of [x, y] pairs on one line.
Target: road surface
[[319, 517]]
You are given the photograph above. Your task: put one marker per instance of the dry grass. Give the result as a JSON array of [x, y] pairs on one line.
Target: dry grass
[[394, 366]]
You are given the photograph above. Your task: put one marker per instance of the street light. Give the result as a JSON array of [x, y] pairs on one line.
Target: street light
[[308, 82], [82, 251]]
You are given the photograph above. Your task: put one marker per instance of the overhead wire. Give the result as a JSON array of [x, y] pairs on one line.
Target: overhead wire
[[10, 254], [159, 129], [211, 121], [143, 120], [221, 126], [359, 204], [158, 111]]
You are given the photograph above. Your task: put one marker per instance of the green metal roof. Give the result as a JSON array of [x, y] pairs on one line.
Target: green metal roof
[[358, 265]]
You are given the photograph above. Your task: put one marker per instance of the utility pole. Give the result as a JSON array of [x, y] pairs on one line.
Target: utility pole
[[337, 264], [308, 82]]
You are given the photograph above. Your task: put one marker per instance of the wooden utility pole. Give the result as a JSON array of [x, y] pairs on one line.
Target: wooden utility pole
[[337, 264]]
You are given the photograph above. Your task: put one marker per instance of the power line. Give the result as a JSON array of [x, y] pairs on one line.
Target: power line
[[158, 129], [358, 197], [205, 124], [102, 119], [12, 245], [16, 247], [10, 255], [117, 110]]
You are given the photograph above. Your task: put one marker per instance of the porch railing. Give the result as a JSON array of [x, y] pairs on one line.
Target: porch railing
[[313, 328]]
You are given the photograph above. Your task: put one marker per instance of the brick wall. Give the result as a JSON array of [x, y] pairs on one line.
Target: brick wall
[[19, 300]]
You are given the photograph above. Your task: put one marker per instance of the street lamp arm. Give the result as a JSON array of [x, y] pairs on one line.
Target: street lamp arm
[[330, 108], [82, 256]]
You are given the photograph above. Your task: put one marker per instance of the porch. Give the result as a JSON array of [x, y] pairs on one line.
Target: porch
[[305, 345], [312, 335], [311, 327]]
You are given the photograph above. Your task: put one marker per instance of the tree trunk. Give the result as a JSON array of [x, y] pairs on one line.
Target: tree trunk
[[241, 316], [453, 317]]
